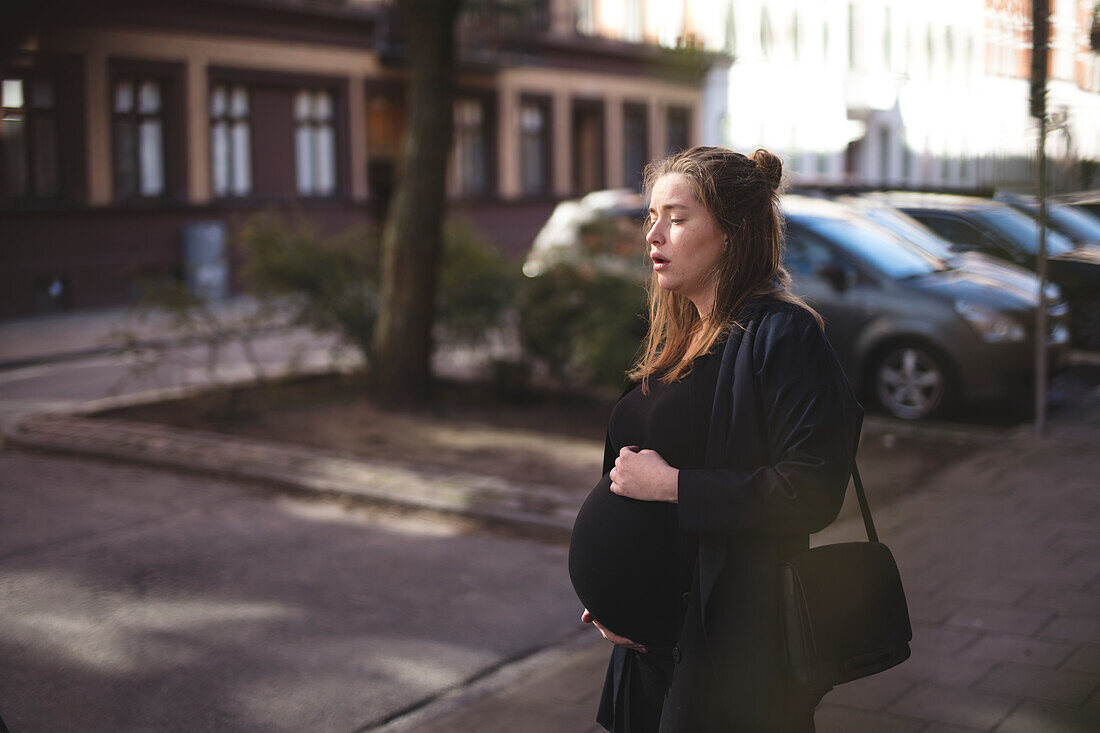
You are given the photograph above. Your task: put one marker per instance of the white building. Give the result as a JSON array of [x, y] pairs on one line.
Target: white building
[[930, 94]]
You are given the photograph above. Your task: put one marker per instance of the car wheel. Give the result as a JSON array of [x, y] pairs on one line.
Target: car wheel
[[912, 382]]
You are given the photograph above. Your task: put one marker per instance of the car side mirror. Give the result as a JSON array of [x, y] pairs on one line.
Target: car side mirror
[[839, 277]]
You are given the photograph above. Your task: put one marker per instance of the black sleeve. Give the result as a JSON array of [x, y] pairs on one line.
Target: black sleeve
[[812, 423]]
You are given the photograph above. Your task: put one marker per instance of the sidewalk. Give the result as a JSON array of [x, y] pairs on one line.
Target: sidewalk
[[54, 337], [1000, 557]]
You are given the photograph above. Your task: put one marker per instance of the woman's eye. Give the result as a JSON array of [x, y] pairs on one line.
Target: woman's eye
[[677, 221]]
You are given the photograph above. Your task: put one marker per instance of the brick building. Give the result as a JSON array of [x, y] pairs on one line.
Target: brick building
[[126, 124]]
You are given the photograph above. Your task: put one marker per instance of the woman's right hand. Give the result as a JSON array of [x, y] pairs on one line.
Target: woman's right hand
[[586, 618]]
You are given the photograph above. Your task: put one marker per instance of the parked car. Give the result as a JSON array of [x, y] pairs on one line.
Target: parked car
[[1087, 201], [1076, 225], [980, 225], [601, 231], [1007, 275], [916, 334]]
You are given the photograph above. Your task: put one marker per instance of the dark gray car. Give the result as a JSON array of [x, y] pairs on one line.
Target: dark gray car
[[996, 229], [911, 331]]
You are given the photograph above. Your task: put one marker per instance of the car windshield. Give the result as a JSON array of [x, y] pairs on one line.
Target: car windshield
[[1022, 231], [910, 230], [1077, 224], [878, 246]]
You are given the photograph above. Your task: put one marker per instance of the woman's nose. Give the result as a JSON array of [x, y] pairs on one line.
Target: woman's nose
[[655, 235]]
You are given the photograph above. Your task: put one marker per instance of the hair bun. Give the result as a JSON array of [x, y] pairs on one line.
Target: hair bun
[[770, 166]]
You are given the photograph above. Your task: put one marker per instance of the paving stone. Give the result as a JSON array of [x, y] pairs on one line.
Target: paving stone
[[948, 728], [1033, 717], [1074, 576], [985, 590], [1087, 563], [1007, 648], [1081, 540], [980, 710], [999, 619], [1057, 598], [1085, 659], [1073, 628], [870, 693], [579, 677], [941, 638], [940, 669], [1055, 685], [835, 719], [933, 609]]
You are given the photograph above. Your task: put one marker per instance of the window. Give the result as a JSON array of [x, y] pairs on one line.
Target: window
[[28, 138], [961, 234], [137, 105], [471, 151], [635, 149], [795, 35], [887, 39], [766, 36], [677, 132], [949, 51], [585, 13], [930, 51], [534, 147], [633, 24], [731, 31], [852, 37], [804, 254], [315, 142], [230, 141]]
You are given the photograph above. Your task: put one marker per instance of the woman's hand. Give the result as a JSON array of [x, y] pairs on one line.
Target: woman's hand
[[611, 636], [644, 475]]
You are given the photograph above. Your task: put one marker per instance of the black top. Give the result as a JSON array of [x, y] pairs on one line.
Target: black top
[[628, 560]]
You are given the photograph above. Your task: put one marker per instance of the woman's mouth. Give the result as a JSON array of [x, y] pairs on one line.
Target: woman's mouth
[[659, 262]]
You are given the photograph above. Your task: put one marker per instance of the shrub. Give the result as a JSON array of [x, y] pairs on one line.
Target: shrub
[[583, 323], [333, 284], [477, 284]]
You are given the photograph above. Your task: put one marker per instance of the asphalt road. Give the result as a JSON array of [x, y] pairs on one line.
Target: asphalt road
[[138, 600]]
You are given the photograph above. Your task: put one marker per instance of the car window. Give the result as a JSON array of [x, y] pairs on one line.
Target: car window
[[910, 230], [868, 242], [1022, 230], [958, 232], [804, 253], [1077, 224]]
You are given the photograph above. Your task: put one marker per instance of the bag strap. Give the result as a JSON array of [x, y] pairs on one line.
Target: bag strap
[[872, 535]]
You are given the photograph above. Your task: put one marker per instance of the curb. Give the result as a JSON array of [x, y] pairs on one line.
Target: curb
[[535, 510], [486, 682], [538, 510]]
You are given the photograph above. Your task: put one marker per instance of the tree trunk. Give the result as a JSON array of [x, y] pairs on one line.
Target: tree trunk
[[412, 237]]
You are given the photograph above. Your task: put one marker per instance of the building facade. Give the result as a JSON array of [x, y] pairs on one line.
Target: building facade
[[884, 93], [128, 127]]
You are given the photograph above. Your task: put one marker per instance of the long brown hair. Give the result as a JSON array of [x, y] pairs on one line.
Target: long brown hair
[[741, 193]]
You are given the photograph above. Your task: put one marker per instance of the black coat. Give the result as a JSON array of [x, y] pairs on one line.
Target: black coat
[[783, 434]]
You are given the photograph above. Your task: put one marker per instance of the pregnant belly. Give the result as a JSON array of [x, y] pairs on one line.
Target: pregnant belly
[[625, 566]]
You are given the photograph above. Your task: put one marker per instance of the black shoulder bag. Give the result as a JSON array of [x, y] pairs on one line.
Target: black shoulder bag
[[844, 610]]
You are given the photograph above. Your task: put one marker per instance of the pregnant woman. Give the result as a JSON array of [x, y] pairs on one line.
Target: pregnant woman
[[734, 442]]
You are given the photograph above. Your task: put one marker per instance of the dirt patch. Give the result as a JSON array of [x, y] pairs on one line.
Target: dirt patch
[[553, 437]]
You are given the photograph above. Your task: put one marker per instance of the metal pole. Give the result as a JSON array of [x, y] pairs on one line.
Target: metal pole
[[1041, 270]]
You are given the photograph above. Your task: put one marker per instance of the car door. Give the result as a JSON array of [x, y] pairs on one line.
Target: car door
[[832, 285]]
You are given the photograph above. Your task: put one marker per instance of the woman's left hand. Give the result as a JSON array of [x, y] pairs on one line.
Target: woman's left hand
[[644, 475]]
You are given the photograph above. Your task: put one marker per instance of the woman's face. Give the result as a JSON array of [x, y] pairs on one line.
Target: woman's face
[[685, 242]]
